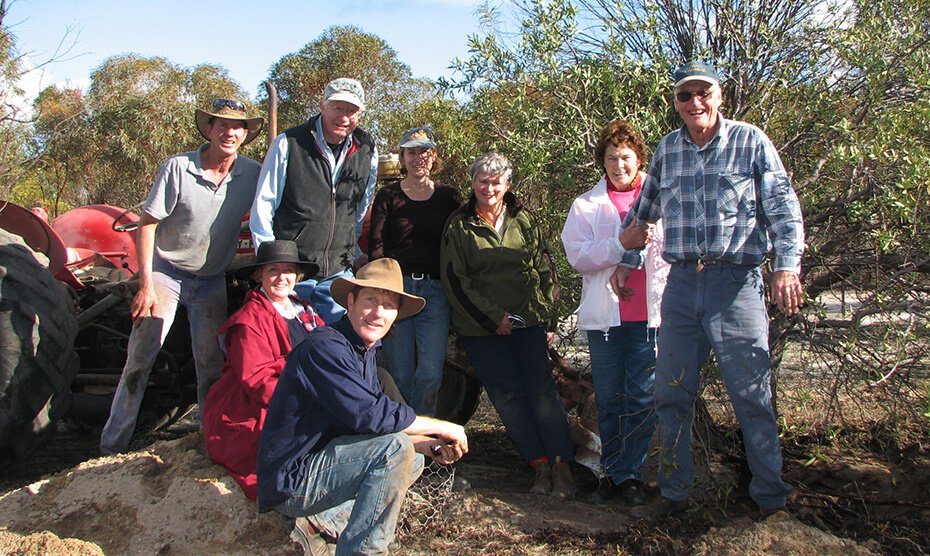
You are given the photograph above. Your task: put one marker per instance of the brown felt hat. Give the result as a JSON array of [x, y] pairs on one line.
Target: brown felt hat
[[231, 110], [383, 274]]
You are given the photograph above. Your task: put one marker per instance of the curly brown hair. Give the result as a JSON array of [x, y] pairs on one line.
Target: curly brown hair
[[620, 133]]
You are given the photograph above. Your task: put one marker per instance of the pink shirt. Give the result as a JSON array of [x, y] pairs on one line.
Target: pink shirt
[[633, 309]]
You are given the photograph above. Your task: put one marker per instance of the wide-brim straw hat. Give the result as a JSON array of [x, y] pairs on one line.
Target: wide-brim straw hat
[[253, 125], [383, 274], [277, 251]]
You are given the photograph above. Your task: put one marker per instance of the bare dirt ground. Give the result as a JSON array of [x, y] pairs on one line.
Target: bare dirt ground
[[169, 499]]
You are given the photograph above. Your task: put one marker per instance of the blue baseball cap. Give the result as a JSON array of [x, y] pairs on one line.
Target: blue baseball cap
[[696, 71]]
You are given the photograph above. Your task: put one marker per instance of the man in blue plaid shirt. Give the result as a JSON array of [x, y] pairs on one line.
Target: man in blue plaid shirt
[[725, 200]]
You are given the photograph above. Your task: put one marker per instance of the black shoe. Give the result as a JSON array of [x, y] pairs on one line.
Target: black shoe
[[632, 492], [606, 490], [659, 508]]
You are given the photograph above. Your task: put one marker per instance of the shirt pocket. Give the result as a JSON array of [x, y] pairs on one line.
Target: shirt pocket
[[735, 193], [670, 197]]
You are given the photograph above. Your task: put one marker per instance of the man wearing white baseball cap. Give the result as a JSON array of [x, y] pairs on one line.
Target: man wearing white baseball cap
[[315, 186]]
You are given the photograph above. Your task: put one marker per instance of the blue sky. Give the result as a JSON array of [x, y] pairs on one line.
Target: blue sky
[[244, 37]]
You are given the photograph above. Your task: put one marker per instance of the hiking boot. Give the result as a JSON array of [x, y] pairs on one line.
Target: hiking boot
[[632, 492], [304, 534], [659, 508], [606, 490], [563, 482], [543, 483]]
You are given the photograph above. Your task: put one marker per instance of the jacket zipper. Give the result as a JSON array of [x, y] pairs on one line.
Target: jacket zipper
[[332, 232]]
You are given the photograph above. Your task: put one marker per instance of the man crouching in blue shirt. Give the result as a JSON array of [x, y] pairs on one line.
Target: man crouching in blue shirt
[[333, 444]]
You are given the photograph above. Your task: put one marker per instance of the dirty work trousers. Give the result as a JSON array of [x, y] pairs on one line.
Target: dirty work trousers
[[205, 301], [720, 307], [354, 490]]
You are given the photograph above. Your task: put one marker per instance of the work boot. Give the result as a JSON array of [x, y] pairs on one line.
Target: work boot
[[563, 482], [659, 508], [606, 490], [543, 483], [632, 492], [309, 539]]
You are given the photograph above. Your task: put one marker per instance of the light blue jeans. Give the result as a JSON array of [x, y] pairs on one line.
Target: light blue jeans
[[205, 300], [371, 470], [720, 308], [623, 367], [415, 350], [316, 293]]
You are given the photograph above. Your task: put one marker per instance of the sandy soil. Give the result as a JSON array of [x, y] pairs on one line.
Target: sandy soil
[[170, 499]]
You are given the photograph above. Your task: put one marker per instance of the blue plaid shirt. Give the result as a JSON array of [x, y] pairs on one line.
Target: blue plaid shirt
[[727, 200]]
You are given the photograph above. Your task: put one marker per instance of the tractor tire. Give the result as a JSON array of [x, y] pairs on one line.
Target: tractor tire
[[459, 393], [37, 358]]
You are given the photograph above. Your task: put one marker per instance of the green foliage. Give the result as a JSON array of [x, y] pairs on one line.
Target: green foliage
[[392, 95], [105, 147]]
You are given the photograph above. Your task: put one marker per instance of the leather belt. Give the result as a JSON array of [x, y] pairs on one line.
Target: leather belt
[[701, 263]]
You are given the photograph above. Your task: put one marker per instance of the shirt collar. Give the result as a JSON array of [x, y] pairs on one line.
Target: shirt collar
[[719, 141], [344, 327], [195, 166]]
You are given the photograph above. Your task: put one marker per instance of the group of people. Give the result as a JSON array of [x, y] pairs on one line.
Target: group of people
[[291, 400]]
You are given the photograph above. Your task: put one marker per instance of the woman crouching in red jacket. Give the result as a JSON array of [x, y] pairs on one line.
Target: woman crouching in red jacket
[[256, 340]]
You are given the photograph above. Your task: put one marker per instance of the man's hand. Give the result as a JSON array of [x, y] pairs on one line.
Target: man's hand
[[617, 282], [785, 292], [451, 436], [143, 303], [434, 448], [636, 236]]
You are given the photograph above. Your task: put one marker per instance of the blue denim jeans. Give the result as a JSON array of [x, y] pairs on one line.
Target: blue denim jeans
[[415, 350], [720, 308], [370, 474], [516, 372], [623, 367], [316, 293], [205, 300]]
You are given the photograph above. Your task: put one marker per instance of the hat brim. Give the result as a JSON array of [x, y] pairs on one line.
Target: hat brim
[[690, 78], [417, 143], [253, 125], [409, 304], [346, 97], [246, 269]]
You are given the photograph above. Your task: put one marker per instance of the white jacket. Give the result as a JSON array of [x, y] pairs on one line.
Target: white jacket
[[591, 237]]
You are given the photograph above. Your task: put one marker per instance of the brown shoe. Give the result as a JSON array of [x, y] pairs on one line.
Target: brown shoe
[[543, 483], [659, 508], [563, 482]]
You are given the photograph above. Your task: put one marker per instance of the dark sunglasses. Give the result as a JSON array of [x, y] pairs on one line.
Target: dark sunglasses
[[685, 96], [233, 104]]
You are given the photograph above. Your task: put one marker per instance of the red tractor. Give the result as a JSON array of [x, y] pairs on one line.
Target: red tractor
[[64, 327]]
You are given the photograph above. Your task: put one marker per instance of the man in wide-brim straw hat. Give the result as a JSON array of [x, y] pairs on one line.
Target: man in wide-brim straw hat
[[333, 444], [187, 237]]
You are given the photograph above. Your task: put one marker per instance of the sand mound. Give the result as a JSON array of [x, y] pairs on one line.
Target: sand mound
[[779, 534], [169, 499]]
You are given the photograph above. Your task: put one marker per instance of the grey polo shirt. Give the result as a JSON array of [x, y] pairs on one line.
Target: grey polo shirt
[[199, 221]]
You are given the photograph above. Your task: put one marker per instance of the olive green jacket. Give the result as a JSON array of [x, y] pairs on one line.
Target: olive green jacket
[[486, 275]]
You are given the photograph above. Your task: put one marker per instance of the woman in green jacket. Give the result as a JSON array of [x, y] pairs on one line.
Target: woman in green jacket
[[497, 278]]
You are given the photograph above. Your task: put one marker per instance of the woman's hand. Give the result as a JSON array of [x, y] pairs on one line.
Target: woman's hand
[[505, 327]]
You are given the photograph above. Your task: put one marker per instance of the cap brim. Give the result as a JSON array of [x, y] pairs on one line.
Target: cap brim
[[409, 305], [417, 143], [254, 125], [703, 78], [347, 97]]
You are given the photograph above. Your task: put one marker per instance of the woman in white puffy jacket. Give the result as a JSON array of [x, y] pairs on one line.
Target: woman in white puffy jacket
[[621, 332]]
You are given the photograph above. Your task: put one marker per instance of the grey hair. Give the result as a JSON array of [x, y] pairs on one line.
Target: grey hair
[[491, 163]]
